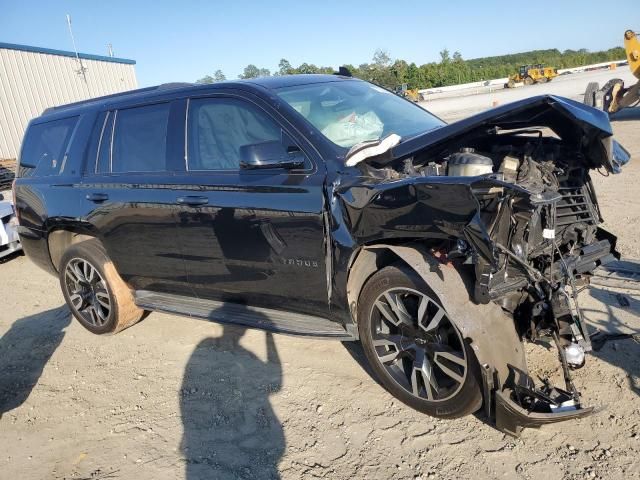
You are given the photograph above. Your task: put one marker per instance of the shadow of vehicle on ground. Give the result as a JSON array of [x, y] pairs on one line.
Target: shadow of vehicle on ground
[[25, 350], [230, 428]]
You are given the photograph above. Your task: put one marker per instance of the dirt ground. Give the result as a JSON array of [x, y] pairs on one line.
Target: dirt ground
[[181, 398]]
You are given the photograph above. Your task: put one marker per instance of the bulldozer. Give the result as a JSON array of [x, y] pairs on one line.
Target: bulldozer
[[530, 74], [614, 96], [407, 92]]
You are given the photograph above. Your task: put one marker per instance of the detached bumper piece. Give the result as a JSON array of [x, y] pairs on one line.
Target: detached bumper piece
[[525, 406], [512, 418]]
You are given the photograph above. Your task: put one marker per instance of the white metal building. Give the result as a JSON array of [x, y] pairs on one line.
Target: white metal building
[[33, 79]]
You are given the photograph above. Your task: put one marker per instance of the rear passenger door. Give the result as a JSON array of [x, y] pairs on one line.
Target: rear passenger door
[[251, 236], [129, 185]]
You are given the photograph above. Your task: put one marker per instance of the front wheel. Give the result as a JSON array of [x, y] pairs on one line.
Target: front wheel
[[415, 349]]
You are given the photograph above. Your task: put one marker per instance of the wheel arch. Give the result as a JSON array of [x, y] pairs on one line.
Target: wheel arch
[[60, 238], [490, 332]]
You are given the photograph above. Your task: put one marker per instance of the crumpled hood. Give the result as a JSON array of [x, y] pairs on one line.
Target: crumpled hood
[[572, 121]]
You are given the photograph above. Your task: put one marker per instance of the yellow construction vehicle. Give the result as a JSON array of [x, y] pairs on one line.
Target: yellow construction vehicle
[[409, 93], [530, 74], [613, 96]]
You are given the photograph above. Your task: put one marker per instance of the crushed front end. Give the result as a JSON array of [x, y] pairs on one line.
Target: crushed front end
[[517, 210]]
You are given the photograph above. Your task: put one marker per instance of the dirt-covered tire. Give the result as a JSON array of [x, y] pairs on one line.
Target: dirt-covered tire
[[417, 352], [590, 94], [94, 291], [529, 81]]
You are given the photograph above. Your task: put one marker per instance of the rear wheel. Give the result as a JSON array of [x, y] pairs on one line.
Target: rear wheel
[[93, 290], [415, 349]]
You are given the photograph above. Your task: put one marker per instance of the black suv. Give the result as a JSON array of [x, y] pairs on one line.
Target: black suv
[[326, 206]]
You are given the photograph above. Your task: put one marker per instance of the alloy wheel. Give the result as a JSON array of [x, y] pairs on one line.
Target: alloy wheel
[[417, 344], [87, 292]]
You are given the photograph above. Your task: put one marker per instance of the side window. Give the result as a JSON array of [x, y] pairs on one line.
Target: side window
[[140, 139], [104, 146], [218, 127], [45, 144]]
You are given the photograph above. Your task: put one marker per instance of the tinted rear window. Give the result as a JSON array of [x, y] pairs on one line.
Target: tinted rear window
[[140, 139], [44, 146]]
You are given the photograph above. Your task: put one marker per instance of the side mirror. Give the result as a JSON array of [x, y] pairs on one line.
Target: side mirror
[[269, 155]]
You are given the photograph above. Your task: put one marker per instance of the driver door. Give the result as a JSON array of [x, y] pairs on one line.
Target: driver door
[[254, 237]]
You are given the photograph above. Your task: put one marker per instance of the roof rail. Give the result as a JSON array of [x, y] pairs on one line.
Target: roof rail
[[164, 86]]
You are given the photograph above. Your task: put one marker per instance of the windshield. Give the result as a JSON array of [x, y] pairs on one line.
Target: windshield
[[351, 112]]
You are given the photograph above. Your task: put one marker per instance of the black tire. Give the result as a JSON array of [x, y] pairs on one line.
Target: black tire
[[529, 81], [458, 397], [590, 94], [93, 290]]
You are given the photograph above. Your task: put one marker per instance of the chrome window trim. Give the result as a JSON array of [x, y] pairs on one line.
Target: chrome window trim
[[113, 131], [104, 125]]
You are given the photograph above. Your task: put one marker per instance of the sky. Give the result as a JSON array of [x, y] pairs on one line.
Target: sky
[[185, 40]]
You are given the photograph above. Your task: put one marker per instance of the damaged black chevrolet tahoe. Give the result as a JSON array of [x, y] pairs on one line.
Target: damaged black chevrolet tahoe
[[329, 207]]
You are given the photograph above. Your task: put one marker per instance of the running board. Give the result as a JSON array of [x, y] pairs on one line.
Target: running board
[[248, 316]]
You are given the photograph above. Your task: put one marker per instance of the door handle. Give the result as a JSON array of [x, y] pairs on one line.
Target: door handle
[[97, 197], [193, 200]]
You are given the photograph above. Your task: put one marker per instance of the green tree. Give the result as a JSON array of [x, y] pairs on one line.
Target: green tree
[[206, 80], [219, 76], [381, 59], [307, 68], [250, 71], [400, 69], [284, 67], [449, 70]]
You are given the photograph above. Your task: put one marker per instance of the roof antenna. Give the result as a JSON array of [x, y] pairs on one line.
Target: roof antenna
[[110, 49], [343, 71], [82, 70]]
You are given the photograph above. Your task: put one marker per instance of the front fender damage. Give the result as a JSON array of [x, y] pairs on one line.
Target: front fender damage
[[413, 218], [491, 333], [496, 344], [505, 196]]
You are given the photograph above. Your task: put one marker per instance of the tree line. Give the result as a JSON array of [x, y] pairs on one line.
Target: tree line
[[452, 69]]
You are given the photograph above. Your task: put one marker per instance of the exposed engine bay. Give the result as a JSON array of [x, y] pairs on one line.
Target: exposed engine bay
[[531, 234]]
